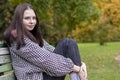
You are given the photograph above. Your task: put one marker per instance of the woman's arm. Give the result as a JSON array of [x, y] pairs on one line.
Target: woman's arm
[[52, 64]]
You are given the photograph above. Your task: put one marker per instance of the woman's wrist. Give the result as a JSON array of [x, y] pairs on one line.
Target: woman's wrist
[[76, 69], [80, 70]]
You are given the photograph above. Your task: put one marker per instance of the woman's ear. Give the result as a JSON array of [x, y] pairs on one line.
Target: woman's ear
[[14, 33]]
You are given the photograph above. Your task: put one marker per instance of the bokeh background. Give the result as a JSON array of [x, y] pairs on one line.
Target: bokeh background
[[94, 24]]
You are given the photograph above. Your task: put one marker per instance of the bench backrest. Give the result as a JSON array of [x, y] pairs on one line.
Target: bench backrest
[[6, 70]]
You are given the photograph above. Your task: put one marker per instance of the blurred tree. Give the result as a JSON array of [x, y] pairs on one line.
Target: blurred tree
[[71, 12], [111, 17], [84, 34], [6, 10], [105, 28]]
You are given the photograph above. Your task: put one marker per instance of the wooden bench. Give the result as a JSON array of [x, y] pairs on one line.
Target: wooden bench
[[6, 70]]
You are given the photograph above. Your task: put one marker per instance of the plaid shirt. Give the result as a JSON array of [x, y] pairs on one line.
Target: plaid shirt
[[31, 60]]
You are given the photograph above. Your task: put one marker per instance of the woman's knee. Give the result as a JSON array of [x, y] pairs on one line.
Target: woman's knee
[[69, 41]]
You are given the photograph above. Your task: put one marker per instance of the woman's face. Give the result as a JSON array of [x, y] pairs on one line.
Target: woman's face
[[29, 19]]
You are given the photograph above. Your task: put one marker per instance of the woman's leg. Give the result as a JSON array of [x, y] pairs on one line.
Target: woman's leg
[[69, 49]]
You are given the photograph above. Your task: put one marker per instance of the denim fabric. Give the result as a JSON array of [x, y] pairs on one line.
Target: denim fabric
[[74, 76], [69, 49]]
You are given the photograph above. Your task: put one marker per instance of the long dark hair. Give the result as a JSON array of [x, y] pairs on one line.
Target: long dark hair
[[17, 24]]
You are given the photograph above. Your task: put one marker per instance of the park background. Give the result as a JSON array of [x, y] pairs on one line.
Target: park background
[[94, 24]]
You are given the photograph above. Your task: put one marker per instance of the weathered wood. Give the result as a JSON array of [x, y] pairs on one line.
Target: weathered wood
[[4, 51], [5, 67], [4, 59], [1, 44], [8, 76], [6, 70]]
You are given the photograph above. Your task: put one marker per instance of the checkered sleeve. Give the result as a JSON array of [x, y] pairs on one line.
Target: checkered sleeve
[[48, 46], [51, 63]]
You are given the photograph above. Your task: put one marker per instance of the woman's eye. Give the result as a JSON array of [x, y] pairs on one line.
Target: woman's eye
[[34, 17], [26, 18]]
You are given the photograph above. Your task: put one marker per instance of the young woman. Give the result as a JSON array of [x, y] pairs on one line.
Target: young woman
[[32, 57]]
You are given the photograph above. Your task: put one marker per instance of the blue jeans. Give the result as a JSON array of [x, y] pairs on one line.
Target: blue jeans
[[69, 49]]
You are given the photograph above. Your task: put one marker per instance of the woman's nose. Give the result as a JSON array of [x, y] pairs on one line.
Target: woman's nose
[[31, 20]]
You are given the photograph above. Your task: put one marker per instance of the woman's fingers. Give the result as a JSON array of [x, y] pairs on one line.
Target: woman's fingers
[[82, 75], [83, 67]]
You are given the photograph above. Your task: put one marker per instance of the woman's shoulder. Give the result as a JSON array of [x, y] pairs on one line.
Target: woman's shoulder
[[28, 41]]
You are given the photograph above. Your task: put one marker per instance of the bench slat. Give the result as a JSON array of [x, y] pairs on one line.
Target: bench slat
[[4, 51], [6, 70], [9, 76], [5, 59], [1, 44], [5, 67]]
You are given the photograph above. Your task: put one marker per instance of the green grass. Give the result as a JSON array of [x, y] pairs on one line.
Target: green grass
[[100, 60]]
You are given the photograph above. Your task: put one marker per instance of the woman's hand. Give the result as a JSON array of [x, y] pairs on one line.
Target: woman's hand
[[82, 75], [83, 72]]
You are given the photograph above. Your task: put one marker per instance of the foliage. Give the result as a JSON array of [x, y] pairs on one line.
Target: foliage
[[101, 33], [71, 12], [110, 17], [6, 10], [105, 28], [84, 34]]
